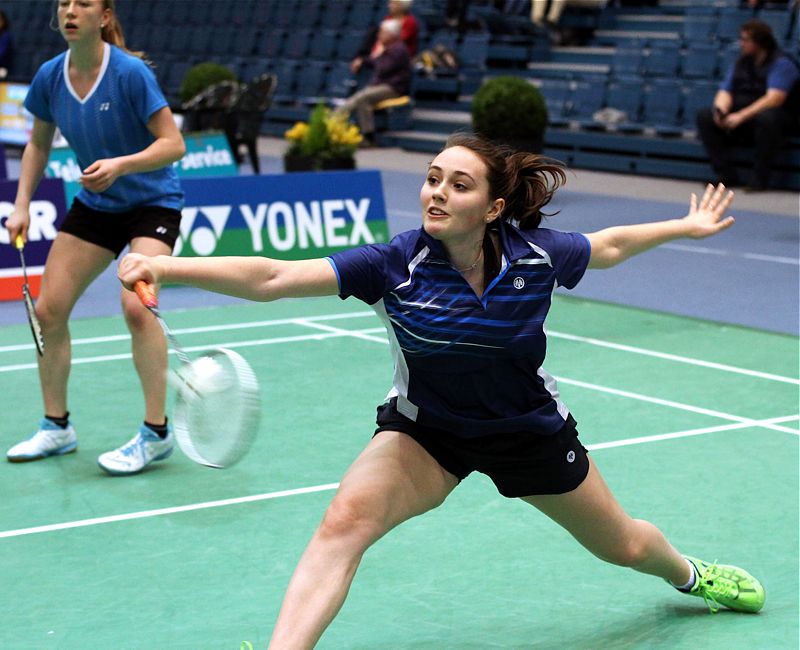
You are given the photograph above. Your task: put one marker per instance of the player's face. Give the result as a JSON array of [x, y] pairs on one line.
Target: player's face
[[455, 197], [79, 19]]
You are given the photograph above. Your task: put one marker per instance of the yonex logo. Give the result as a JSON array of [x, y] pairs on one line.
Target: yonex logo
[[519, 283], [161, 230], [105, 106], [570, 456]]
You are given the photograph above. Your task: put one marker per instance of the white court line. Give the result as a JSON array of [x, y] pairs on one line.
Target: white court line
[[759, 257], [305, 320], [144, 514]]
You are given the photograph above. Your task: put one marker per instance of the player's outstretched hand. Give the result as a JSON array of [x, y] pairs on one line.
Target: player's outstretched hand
[[134, 267], [709, 218]]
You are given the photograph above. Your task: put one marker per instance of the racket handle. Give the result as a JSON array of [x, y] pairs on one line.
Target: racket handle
[[19, 242], [146, 294]]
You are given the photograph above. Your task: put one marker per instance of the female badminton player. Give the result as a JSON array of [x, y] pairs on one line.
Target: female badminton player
[[464, 299], [107, 103]]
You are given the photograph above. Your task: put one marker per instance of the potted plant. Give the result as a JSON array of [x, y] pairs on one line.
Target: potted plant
[[326, 141], [512, 111]]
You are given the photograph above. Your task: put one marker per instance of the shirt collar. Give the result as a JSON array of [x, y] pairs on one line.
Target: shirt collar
[[512, 241]]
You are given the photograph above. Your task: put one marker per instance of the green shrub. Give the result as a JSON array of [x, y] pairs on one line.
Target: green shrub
[[203, 75], [509, 108]]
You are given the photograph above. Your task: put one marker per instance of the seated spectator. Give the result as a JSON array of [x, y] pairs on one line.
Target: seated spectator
[[6, 46], [547, 13], [391, 78], [758, 103], [409, 33]]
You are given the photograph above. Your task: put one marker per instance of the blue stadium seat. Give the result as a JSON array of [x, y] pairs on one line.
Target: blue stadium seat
[[625, 94], [627, 60], [474, 50], [311, 81], [699, 30], [586, 98], [349, 43], [335, 16], [780, 22], [243, 14], [200, 40], [323, 45], [662, 105], [286, 72], [308, 14], [340, 82], [263, 13], [222, 41], [297, 42], [556, 93], [697, 95], [730, 20], [247, 37], [662, 60], [271, 44], [699, 61]]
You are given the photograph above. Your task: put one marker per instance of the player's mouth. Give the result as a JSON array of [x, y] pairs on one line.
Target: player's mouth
[[70, 27], [436, 212]]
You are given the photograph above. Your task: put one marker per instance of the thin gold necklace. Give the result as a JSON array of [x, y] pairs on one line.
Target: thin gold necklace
[[474, 264]]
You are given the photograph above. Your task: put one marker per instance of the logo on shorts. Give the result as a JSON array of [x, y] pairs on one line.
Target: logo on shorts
[[570, 456], [519, 283], [161, 230]]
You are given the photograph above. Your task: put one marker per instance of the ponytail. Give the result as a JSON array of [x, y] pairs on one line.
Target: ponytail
[[112, 32], [530, 182]]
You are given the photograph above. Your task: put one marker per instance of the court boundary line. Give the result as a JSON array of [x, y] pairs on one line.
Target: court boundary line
[[360, 314], [218, 503]]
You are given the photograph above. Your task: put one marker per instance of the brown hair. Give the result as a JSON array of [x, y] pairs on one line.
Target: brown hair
[[526, 181], [762, 35]]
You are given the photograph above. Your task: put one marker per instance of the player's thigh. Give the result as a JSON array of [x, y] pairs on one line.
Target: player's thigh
[[394, 479], [72, 264], [590, 513]]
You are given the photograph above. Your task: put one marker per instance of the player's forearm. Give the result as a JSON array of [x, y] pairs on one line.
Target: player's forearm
[[770, 100], [612, 246], [32, 166], [162, 152], [243, 277]]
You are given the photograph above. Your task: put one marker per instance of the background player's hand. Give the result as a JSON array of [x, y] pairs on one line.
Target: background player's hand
[[17, 224], [99, 176], [708, 218], [134, 267]]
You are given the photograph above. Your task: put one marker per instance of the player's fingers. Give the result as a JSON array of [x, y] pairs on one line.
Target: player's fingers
[[693, 203]]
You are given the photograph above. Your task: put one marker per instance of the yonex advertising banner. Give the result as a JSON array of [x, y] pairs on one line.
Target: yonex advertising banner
[[47, 212], [207, 154], [286, 216]]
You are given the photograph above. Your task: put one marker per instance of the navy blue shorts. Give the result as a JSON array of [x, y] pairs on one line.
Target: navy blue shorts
[[115, 230], [520, 464]]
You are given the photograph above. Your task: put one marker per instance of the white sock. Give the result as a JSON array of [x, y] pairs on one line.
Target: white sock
[[692, 579]]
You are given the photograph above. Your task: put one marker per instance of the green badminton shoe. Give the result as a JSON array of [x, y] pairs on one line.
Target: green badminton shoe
[[726, 585]]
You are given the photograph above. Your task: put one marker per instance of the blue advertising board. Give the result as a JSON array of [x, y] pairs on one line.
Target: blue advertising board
[[47, 212], [286, 216]]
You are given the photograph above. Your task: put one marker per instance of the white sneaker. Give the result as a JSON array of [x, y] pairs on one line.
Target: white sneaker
[[49, 440], [144, 448]]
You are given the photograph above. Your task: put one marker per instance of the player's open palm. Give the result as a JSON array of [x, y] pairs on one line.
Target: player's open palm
[[708, 218]]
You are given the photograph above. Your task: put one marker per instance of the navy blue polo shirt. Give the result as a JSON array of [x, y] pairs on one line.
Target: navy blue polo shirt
[[467, 364]]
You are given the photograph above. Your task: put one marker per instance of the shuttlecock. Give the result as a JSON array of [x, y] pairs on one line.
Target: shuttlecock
[[206, 375]]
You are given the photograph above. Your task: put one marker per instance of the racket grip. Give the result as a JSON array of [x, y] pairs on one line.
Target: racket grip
[[19, 242], [146, 294]]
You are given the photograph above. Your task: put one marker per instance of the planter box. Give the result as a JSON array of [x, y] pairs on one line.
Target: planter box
[[299, 163]]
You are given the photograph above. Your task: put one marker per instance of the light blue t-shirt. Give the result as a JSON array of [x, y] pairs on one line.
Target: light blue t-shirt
[[110, 121]]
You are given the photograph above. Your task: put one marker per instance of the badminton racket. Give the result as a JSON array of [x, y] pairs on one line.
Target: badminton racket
[[33, 320], [217, 405]]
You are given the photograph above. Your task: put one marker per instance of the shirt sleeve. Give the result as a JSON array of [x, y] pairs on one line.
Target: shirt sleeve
[[37, 101], [144, 92], [362, 272], [569, 254], [783, 75]]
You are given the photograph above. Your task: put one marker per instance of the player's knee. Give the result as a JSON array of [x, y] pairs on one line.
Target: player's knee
[[136, 315], [350, 517], [51, 315]]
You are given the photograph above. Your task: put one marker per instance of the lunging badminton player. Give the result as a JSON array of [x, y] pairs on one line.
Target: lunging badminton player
[[464, 300], [107, 103]]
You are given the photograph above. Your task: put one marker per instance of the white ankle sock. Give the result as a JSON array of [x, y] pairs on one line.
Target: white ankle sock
[[692, 579]]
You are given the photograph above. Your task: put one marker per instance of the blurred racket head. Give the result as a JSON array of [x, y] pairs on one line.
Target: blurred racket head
[[217, 408]]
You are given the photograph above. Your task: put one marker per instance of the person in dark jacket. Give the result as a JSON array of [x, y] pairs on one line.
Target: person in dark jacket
[[757, 103], [391, 78]]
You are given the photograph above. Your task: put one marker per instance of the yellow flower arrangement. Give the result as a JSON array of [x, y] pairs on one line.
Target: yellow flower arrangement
[[327, 135]]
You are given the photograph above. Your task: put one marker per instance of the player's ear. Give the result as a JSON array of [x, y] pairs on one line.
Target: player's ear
[[495, 209]]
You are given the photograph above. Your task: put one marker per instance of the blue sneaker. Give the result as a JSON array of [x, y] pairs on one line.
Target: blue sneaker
[[144, 448], [49, 440]]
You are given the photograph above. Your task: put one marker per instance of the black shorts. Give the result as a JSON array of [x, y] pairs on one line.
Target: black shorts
[[520, 464], [115, 230]]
